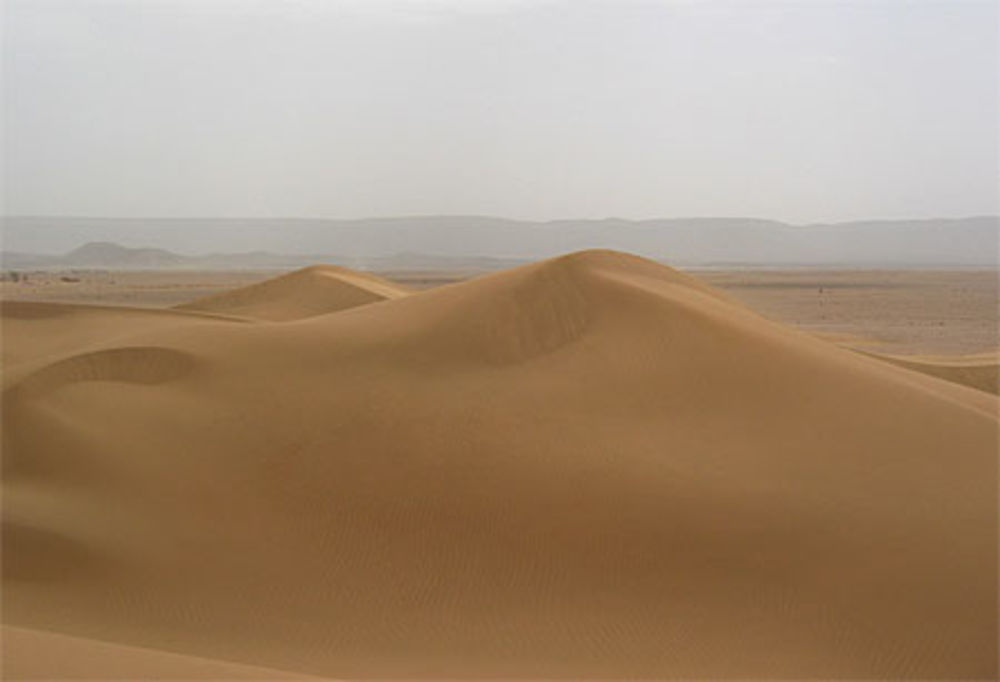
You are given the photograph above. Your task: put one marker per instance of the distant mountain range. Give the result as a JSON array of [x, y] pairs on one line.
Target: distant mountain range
[[430, 242], [111, 256]]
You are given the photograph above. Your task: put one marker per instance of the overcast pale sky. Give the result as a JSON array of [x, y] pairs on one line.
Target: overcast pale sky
[[799, 111]]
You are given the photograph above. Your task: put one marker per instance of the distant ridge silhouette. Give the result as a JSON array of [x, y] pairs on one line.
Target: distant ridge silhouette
[[423, 241]]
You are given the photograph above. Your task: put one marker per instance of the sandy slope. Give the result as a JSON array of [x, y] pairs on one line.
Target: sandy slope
[[589, 466], [981, 371], [36, 655], [303, 293]]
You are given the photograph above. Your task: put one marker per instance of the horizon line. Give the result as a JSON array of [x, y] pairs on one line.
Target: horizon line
[[974, 216]]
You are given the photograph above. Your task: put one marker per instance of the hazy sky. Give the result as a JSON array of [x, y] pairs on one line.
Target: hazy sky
[[799, 111]]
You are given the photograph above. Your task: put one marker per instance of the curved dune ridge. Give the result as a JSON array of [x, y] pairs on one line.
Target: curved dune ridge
[[592, 466], [140, 365], [315, 290], [980, 371], [35, 655]]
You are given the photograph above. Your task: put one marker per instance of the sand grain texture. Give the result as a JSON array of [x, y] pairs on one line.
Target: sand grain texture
[[36, 655], [593, 466]]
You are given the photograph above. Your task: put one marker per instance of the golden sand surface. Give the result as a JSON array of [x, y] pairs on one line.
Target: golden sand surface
[[592, 466], [902, 312]]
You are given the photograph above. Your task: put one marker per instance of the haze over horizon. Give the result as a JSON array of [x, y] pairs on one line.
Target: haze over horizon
[[969, 241], [500, 339], [483, 216], [798, 112]]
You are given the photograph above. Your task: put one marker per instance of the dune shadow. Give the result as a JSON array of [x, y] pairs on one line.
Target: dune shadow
[[31, 554], [135, 365]]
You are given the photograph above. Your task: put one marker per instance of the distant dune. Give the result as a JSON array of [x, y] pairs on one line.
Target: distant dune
[[977, 371], [311, 291], [593, 466]]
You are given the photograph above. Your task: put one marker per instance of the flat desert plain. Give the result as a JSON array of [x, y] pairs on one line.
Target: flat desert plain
[[592, 466]]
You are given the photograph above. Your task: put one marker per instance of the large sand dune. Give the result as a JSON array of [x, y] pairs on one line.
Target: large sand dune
[[591, 466]]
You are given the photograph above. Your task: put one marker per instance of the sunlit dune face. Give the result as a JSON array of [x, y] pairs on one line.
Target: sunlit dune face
[[593, 465]]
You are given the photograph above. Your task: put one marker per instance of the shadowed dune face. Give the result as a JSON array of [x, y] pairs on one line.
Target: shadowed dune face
[[592, 466], [534, 311], [139, 365], [38, 555]]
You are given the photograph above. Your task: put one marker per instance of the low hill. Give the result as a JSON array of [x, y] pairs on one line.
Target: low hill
[[106, 254], [969, 241]]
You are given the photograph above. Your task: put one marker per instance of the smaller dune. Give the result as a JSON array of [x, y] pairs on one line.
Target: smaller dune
[[136, 365], [981, 371], [308, 292]]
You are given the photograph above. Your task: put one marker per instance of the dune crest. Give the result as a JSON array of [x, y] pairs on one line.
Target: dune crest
[[529, 312], [140, 365], [310, 291], [981, 371], [593, 466]]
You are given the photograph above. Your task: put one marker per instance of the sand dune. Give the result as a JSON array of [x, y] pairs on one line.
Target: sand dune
[[310, 291], [981, 371], [591, 466], [36, 655]]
